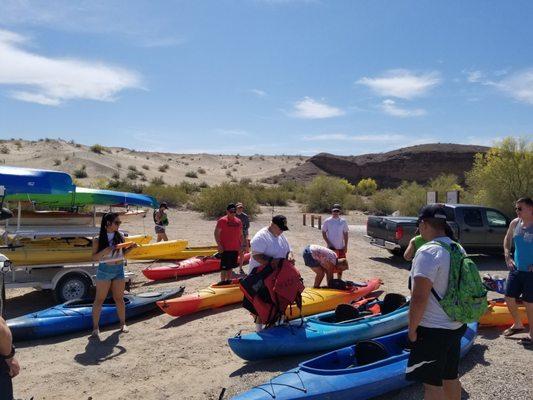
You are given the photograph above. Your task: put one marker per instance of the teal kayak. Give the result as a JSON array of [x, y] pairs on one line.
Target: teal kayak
[[321, 332]]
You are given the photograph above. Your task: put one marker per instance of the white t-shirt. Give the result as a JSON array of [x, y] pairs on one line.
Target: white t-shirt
[[335, 228], [264, 242], [433, 262]]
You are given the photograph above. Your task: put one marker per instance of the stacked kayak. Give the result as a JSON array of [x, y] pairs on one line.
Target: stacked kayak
[[155, 251], [365, 370], [57, 250], [498, 314], [322, 332], [188, 252], [191, 266], [76, 315], [218, 295], [62, 218]]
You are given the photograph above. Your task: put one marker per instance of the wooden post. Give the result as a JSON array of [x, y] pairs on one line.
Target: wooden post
[[312, 221], [304, 220], [320, 222]]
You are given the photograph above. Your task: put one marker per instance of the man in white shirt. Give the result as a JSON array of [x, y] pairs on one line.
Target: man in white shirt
[[269, 243], [436, 338], [335, 233]]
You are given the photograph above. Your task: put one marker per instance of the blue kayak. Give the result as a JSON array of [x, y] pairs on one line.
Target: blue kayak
[[18, 180], [76, 315], [368, 369], [322, 332]]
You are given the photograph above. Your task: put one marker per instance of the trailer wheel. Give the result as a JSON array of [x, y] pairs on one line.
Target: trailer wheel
[[397, 252], [71, 287]]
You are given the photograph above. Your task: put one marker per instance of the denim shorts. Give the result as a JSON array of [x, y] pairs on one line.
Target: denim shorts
[[108, 272], [309, 261], [520, 283]]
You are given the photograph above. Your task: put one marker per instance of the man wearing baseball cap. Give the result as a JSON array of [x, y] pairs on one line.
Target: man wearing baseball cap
[[335, 233], [228, 235], [435, 337]]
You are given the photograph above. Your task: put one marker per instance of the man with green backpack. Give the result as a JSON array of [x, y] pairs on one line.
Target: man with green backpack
[[446, 293]]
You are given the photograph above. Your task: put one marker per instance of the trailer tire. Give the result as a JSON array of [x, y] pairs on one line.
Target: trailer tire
[[397, 252], [72, 286]]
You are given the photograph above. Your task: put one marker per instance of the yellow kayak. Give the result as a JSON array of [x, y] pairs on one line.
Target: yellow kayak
[[156, 251], [498, 314], [57, 251], [188, 252]]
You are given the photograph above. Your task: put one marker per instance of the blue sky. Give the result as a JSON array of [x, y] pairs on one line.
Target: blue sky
[[266, 76]]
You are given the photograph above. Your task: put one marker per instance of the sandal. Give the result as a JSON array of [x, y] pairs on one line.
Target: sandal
[[512, 331], [526, 342]]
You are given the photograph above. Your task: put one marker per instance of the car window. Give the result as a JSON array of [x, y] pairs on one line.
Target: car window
[[473, 217], [496, 219]]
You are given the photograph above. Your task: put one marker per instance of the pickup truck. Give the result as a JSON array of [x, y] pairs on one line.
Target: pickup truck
[[479, 229]]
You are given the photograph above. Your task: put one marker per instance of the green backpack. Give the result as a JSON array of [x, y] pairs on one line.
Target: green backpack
[[466, 297]]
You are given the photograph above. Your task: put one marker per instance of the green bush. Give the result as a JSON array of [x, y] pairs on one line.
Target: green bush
[[324, 191], [383, 201], [444, 183], [190, 187], [174, 195], [146, 167], [80, 172], [158, 181], [57, 162], [132, 175], [503, 175], [97, 148], [201, 171], [115, 176], [4, 150], [366, 187], [163, 168], [131, 168], [212, 201], [191, 174], [410, 198], [355, 202]]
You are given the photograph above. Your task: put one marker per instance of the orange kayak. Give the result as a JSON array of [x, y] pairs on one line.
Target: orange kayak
[[498, 314], [218, 295]]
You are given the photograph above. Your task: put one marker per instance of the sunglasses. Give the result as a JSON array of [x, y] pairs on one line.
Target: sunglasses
[[518, 208], [336, 211]]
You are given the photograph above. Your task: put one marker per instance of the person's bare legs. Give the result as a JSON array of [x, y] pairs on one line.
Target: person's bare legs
[[529, 311], [102, 289], [452, 389], [432, 392], [319, 276], [513, 309], [329, 275], [117, 287]]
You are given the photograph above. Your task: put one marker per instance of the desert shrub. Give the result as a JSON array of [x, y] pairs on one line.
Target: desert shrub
[[97, 148], [163, 168], [201, 171], [190, 187], [57, 162], [383, 201], [366, 187], [283, 170], [245, 181], [157, 181], [324, 191], [132, 168], [4, 149], [203, 185], [270, 196], [355, 202], [234, 180], [234, 169], [502, 175], [80, 172], [191, 174], [115, 175], [132, 175], [444, 183], [174, 195], [125, 186], [212, 201], [410, 197], [67, 158], [119, 165], [228, 174], [18, 145], [146, 167]]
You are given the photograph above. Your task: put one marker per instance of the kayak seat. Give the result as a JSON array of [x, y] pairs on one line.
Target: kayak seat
[[392, 302], [345, 312], [369, 351]]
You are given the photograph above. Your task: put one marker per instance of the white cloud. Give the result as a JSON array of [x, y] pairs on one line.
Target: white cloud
[[389, 107], [309, 108], [51, 81], [387, 137], [402, 83], [518, 85], [475, 76], [258, 92]]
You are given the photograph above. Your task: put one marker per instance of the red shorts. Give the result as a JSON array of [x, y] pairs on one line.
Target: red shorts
[[341, 253]]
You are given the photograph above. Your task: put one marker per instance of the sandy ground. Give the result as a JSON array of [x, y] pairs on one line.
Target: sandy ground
[[210, 168], [188, 358]]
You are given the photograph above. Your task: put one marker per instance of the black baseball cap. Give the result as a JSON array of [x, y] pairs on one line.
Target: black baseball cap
[[231, 207], [281, 222], [336, 207], [435, 211], [163, 204]]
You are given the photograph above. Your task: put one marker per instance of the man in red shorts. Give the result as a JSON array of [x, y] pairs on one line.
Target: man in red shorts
[[228, 235]]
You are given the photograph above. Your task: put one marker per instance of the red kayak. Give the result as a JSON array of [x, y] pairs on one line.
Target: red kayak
[[191, 266]]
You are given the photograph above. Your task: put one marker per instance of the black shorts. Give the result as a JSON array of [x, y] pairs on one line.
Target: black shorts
[[6, 386], [229, 260], [435, 355], [520, 283]]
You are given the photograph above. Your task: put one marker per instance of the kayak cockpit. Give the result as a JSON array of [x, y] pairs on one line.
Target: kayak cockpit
[[79, 303]]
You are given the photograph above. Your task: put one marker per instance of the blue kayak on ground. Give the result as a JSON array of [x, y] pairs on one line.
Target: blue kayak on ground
[[321, 332], [368, 369], [76, 315]]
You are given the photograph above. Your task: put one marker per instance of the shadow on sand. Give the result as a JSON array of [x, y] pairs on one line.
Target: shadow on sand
[[178, 321], [97, 351]]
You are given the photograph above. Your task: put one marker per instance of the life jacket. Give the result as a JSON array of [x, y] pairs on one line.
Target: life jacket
[[270, 289]]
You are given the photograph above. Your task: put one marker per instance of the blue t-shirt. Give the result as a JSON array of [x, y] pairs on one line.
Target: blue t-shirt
[[523, 246]]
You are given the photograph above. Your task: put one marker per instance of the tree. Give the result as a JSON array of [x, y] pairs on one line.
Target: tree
[[367, 187], [324, 191], [502, 175]]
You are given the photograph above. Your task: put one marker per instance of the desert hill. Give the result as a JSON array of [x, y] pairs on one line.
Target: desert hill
[[105, 162], [417, 163]]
